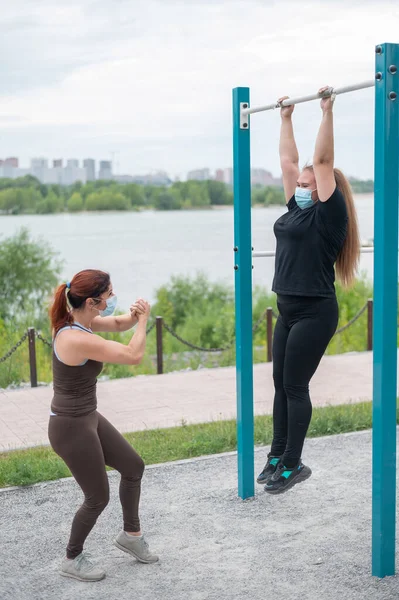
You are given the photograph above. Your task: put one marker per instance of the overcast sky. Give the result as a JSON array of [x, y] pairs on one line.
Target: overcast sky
[[151, 80]]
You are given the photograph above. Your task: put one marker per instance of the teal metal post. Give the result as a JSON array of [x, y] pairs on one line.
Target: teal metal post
[[385, 308], [243, 294]]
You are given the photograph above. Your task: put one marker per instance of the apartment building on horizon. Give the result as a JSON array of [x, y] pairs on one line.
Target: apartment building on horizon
[[57, 173], [105, 171], [90, 165], [199, 175], [260, 177]]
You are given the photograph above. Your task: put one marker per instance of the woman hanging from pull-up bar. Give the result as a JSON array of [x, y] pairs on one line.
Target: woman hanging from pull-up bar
[[318, 232]]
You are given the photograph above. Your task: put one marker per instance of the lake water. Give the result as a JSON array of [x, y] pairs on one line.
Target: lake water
[[143, 250]]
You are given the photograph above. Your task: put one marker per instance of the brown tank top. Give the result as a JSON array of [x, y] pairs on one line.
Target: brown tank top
[[75, 388]]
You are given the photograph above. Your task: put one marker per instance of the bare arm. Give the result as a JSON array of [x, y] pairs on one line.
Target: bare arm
[[120, 322], [289, 158], [323, 160], [111, 324], [96, 348]]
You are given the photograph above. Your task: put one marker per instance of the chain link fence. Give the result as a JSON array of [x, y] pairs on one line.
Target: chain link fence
[[254, 329], [14, 348], [42, 339], [151, 327], [353, 320], [194, 346], [267, 316], [203, 349]]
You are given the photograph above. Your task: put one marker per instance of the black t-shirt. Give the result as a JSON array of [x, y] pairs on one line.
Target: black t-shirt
[[308, 244]]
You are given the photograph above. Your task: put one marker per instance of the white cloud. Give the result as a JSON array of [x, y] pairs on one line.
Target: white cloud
[[153, 78]]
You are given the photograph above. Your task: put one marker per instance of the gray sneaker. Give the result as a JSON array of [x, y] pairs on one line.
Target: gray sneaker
[[136, 546], [81, 568]]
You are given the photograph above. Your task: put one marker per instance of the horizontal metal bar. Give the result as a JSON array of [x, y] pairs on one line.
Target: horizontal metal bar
[[263, 254], [340, 90], [271, 253]]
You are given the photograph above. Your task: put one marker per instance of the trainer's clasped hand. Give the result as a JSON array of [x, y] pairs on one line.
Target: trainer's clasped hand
[[140, 308]]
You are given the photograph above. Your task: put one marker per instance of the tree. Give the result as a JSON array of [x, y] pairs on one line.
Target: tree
[[87, 189], [167, 201], [217, 191], [274, 195], [151, 192], [106, 200], [18, 200], [258, 196], [115, 201], [29, 271], [93, 201], [11, 201], [6, 183], [268, 195], [184, 295], [194, 194], [361, 187], [50, 204], [135, 194], [77, 186], [75, 203]]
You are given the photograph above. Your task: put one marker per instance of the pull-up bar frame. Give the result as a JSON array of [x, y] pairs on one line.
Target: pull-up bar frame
[[271, 253], [386, 188], [290, 101]]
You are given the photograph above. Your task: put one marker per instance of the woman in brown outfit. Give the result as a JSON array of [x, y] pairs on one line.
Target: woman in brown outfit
[[79, 434]]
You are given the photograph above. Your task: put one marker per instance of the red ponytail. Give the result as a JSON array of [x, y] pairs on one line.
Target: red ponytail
[[59, 313], [89, 283]]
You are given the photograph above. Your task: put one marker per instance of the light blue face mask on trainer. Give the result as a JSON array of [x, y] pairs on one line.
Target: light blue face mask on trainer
[[303, 197], [111, 305]]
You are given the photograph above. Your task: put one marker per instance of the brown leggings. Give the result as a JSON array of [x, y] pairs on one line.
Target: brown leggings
[[87, 444]]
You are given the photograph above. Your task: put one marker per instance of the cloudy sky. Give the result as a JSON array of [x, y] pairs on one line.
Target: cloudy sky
[[151, 80]]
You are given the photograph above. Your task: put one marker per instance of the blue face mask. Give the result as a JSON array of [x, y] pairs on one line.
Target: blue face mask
[[303, 197], [111, 305]]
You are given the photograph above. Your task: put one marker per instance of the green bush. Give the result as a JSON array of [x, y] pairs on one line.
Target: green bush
[[50, 204], [267, 196], [168, 200], [135, 194], [18, 200], [29, 270], [107, 199], [75, 203]]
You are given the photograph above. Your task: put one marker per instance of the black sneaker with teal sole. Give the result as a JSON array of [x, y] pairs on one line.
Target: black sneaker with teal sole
[[268, 470], [285, 478]]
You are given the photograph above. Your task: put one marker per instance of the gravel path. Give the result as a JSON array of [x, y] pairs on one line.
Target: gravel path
[[312, 543]]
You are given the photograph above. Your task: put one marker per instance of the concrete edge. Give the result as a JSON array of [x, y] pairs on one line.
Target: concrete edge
[[181, 462]]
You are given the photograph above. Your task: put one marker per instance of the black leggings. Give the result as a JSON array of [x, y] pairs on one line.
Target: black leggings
[[303, 331], [87, 444]]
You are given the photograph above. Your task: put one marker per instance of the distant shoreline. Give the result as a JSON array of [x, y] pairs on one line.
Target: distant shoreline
[[217, 207]]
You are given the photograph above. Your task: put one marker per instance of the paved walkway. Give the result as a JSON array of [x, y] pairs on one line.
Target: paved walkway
[[148, 402], [312, 543]]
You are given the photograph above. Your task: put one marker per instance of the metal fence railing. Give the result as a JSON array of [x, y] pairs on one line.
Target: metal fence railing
[[160, 326]]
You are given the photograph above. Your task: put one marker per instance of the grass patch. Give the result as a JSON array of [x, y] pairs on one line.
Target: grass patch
[[25, 467]]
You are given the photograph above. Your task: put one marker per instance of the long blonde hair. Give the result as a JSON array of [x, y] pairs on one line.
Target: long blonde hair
[[348, 259]]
